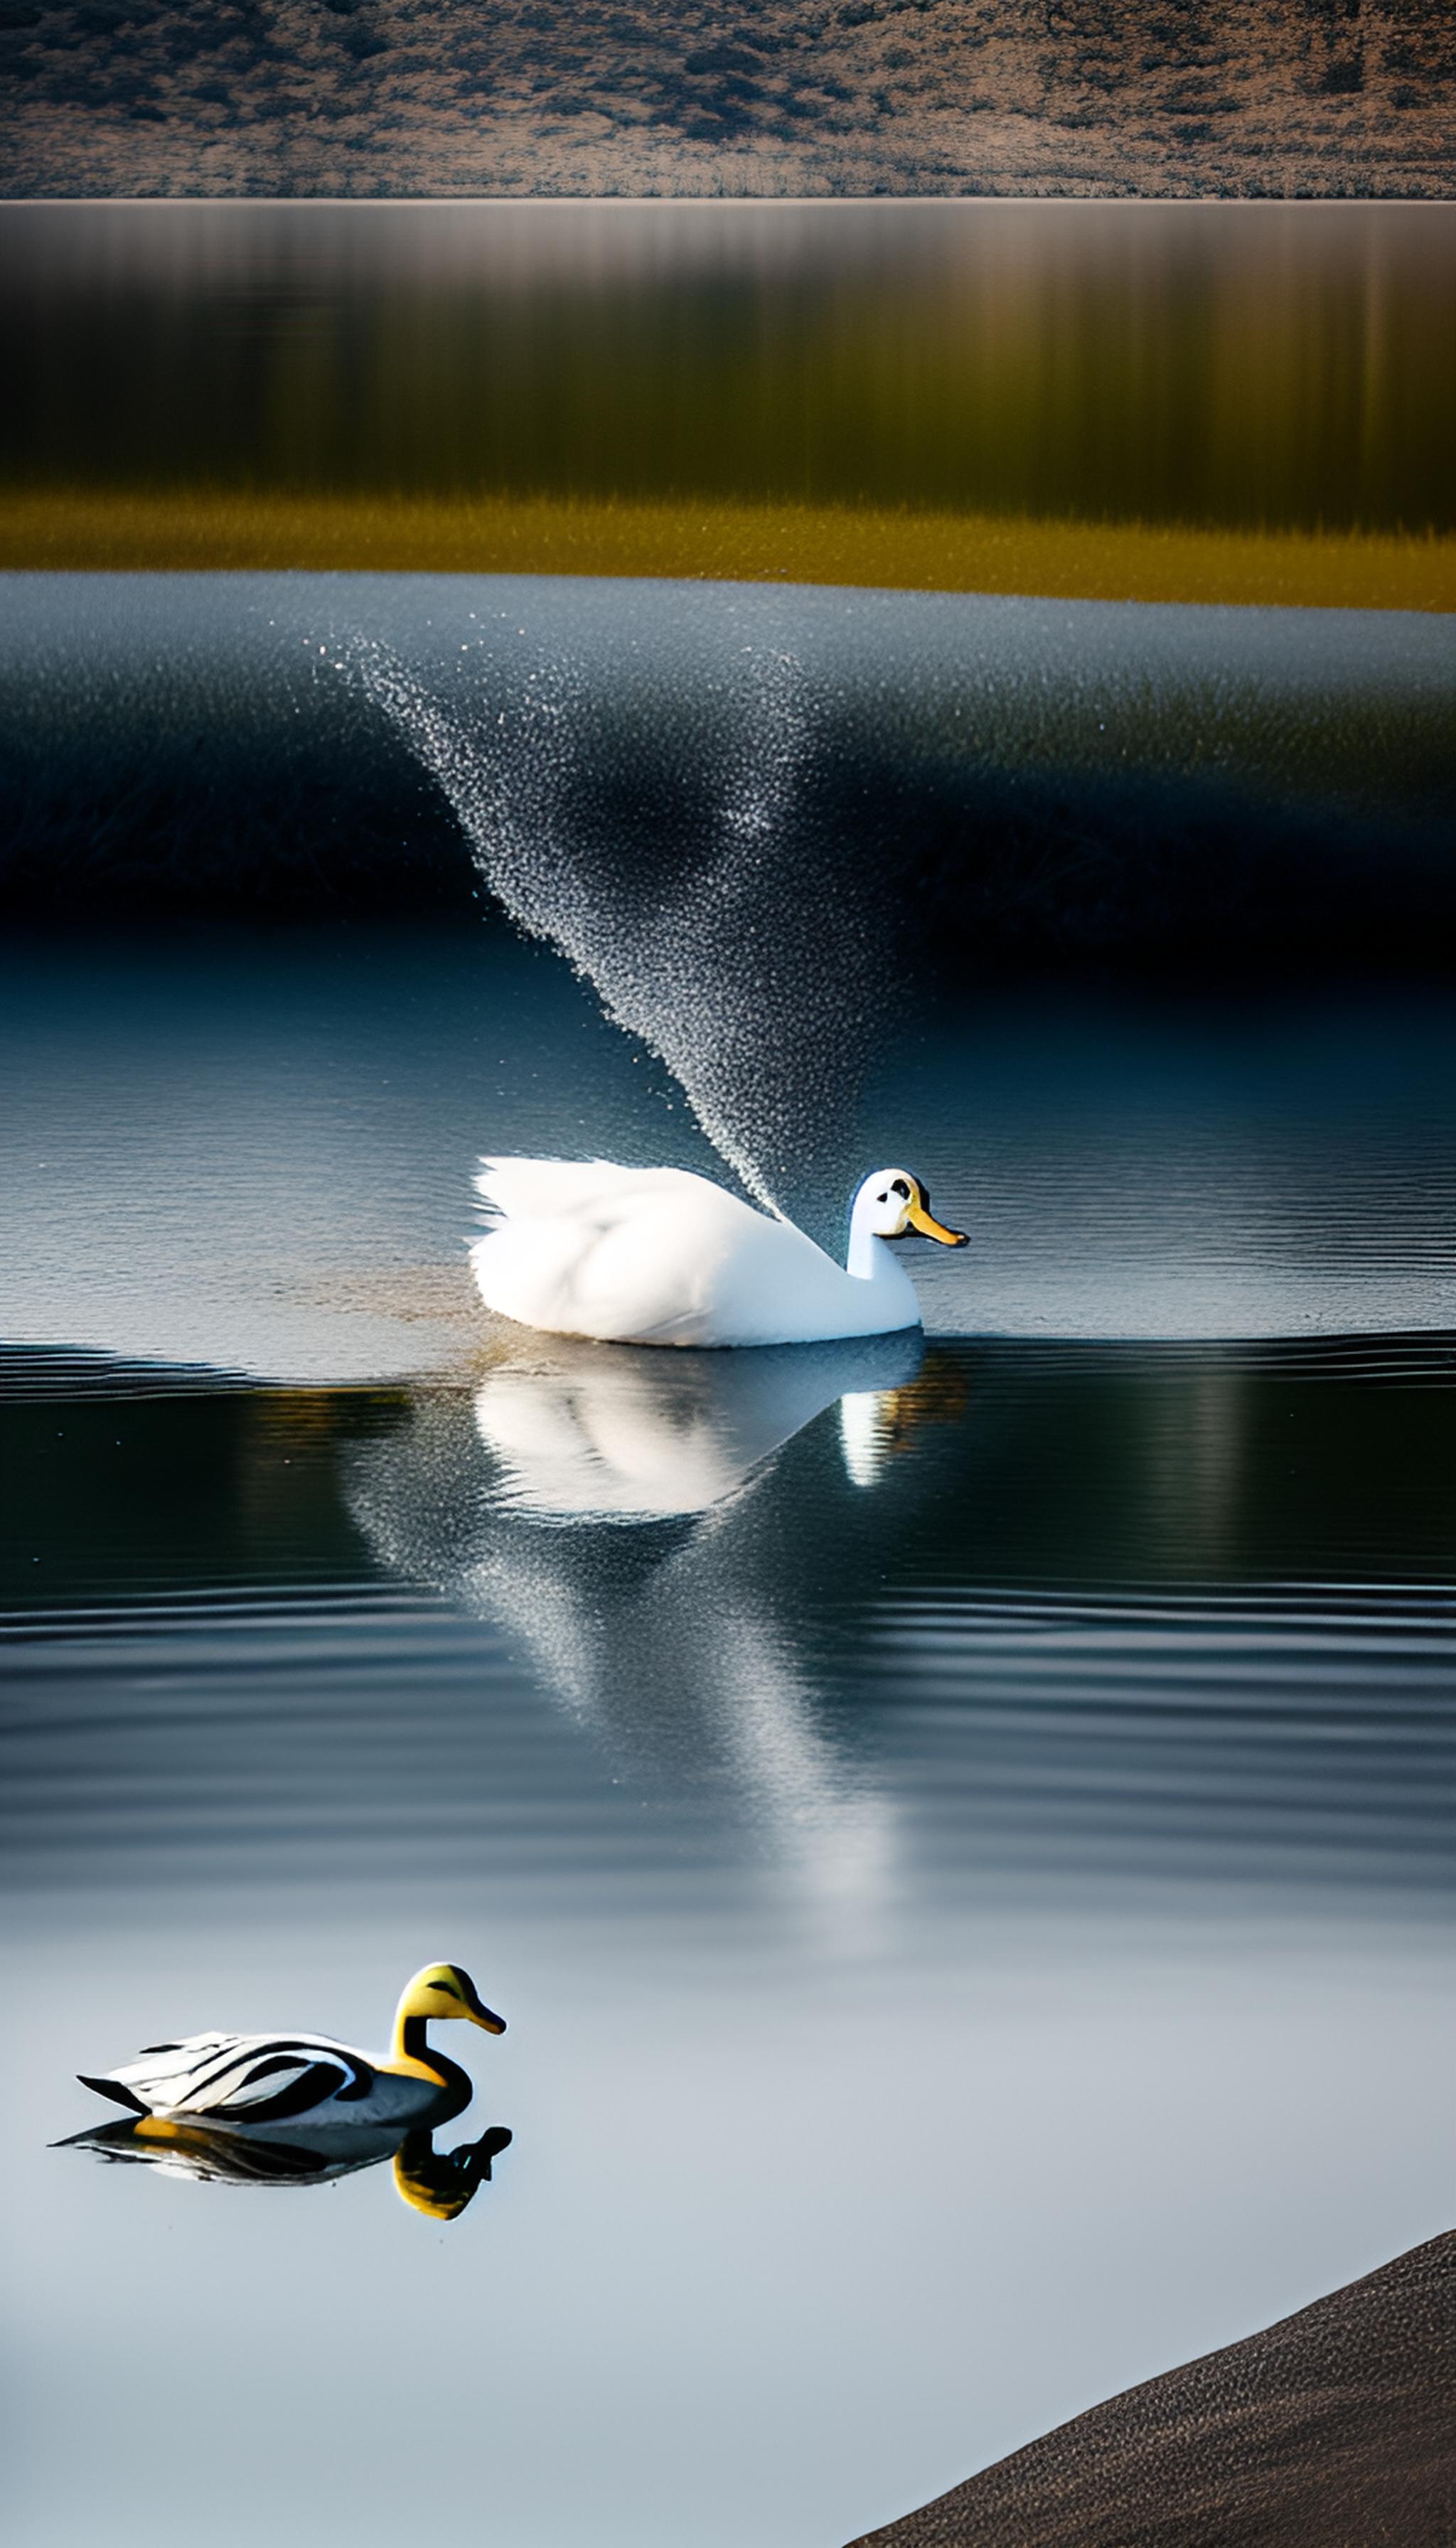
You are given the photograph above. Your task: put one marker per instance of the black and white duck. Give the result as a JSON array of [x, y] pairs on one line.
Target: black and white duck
[[243, 2083]]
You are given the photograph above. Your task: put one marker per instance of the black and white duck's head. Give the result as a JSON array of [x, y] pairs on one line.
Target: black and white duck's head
[[446, 1990]]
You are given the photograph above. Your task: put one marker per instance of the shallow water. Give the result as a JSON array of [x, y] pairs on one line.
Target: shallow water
[[962, 1835]]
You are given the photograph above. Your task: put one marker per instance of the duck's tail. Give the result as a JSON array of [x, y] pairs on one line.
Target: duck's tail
[[119, 2095]]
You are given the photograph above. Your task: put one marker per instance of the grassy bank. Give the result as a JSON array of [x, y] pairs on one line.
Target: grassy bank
[[754, 543]]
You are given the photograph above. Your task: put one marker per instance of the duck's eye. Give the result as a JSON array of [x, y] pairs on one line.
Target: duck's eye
[[884, 1198], [900, 1188], [448, 1988]]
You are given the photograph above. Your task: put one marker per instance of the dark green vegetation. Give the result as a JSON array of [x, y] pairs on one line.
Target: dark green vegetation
[[380, 97]]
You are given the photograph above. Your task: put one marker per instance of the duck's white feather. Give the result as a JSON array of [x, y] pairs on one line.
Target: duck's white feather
[[659, 1257], [240, 2080], [548, 1189]]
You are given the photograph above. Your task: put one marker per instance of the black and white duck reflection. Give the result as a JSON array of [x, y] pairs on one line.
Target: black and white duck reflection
[[294, 2107], [439, 2183], [617, 1515]]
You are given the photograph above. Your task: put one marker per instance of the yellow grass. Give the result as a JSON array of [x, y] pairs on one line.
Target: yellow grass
[[756, 543]]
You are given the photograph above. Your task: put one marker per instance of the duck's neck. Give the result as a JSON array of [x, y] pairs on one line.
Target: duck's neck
[[413, 2051], [869, 1259]]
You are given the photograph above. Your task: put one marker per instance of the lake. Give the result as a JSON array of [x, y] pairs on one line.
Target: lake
[[960, 1826]]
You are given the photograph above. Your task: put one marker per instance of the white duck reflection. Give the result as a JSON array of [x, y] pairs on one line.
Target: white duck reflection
[[614, 1511], [606, 1434]]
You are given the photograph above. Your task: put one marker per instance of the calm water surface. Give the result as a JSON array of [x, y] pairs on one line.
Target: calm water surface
[[962, 1835]]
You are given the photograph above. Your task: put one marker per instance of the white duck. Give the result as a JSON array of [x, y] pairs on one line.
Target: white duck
[[247, 2082], [658, 1256]]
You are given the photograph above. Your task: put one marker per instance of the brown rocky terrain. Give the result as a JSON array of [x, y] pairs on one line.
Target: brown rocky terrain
[[728, 97], [1332, 2430]]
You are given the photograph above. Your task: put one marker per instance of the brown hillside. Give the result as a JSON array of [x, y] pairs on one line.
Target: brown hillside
[[388, 97], [1330, 2430]]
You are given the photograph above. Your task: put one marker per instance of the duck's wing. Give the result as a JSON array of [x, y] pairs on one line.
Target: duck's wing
[[583, 1247], [236, 2079], [596, 1191]]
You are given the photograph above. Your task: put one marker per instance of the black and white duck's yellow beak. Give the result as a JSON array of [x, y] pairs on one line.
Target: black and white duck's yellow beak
[[920, 1217], [446, 1990], [475, 2010]]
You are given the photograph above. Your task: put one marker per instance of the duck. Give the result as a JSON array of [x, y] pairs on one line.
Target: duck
[[243, 2083], [663, 1256]]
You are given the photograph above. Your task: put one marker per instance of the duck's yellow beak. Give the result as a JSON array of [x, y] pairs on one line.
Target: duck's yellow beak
[[928, 1228], [478, 2014]]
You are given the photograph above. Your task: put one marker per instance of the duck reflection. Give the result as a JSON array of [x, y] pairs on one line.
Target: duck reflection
[[438, 2183], [611, 1508], [607, 1432]]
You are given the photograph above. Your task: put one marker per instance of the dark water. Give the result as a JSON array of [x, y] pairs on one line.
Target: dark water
[[760, 820], [1101, 1615], [1260, 365]]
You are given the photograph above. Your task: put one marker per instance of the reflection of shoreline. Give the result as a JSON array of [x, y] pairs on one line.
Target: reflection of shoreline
[[196, 528]]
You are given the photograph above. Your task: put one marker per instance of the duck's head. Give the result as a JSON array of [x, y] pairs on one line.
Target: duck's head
[[892, 1203], [446, 1990]]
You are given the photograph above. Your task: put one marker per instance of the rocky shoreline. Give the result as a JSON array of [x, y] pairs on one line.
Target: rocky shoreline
[[1331, 2427]]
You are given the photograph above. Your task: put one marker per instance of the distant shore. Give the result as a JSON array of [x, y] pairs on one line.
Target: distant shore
[[787, 96]]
